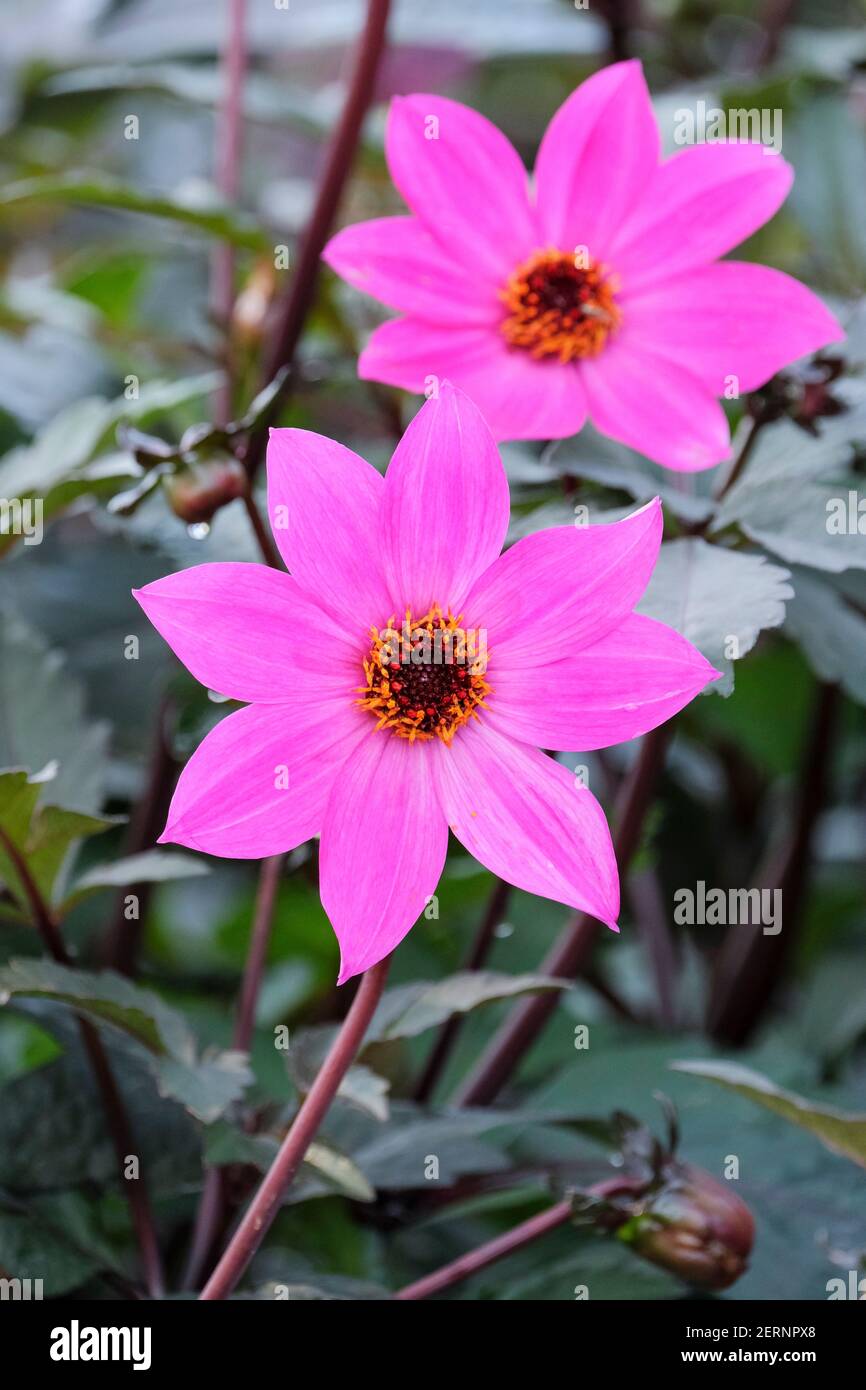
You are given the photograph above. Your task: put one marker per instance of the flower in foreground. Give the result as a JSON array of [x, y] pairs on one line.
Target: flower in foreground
[[402, 678], [596, 295]]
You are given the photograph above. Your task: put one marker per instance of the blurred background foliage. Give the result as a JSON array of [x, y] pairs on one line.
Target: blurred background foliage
[[106, 320]]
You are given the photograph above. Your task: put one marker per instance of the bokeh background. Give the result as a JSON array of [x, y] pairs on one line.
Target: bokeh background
[[107, 317]]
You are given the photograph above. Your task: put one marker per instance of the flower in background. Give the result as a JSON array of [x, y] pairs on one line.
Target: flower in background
[[401, 680], [598, 294]]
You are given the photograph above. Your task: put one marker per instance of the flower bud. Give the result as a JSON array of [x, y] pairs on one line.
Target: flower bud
[[253, 304], [694, 1227], [197, 490]]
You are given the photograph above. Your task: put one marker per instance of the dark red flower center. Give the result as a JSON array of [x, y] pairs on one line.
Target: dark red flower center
[[560, 305], [425, 678]]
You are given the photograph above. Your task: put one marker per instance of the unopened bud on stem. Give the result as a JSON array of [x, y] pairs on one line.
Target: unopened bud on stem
[[197, 490], [694, 1227]]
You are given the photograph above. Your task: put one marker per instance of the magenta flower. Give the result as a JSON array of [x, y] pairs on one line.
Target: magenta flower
[[401, 680], [599, 294]]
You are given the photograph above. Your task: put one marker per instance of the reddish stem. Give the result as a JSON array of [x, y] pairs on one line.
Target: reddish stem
[[338, 163], [750, 964], [572, 948], [466, 1265], [449, 1031], [227, 176], [123, 937], [209, 1217], [265, 1204], [112, 1100]]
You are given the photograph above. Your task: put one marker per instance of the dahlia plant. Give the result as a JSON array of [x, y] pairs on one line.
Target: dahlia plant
[[402, 678], [593, 293]]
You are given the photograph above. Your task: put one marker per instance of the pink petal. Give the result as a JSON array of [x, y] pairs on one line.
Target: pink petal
[[562, 589], [260, 781], [519, 397], [446, 506], [599, 155], [464, 180], [701, 203], [323, 503], [667, 413], [730, 319], [250, 632], [397, 261], [528, 820], [630, 681], [384, 841]]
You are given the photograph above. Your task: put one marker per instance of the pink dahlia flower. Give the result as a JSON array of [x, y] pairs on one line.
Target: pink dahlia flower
[[598, 292], [401, 680]]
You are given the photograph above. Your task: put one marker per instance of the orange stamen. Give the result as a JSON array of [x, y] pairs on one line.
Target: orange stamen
[[559, 307], [425, 679]]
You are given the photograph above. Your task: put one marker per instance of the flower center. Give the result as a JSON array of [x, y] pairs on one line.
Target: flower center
[[560, 305], [427, 677]]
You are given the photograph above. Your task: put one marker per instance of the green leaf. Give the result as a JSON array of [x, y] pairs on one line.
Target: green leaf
[[52, 1124], [594, 457], [64, 444], [265, 98], [838, 1130], [323, 1172], [206, 1084], [397, 1156], [59, 465], [95, 190], [408, 1010], [486, 28], [339, 1172], [151, 866], [720, 599], [44, 720], [53, 832], [261, 403], [795, 488], [360, 1087], [41, 836], [831, 631], [53, 1238], [366, 1090]]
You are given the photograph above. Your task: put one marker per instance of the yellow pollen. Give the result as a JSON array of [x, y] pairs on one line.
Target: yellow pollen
[[426, 678], [560, 307]]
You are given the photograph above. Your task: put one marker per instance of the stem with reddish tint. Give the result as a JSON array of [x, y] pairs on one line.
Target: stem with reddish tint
[[227, 177], [209, 1217], [112, 1100], [484, 1255], [338, 163], [447, 1037], [264, 539], [571, 950], [264, 1206], [757, 423], [123, 937], [750, 964]]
